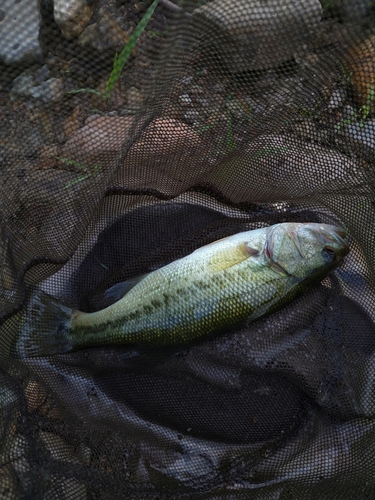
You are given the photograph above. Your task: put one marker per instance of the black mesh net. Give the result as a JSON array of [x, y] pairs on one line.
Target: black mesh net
[[131, 135]]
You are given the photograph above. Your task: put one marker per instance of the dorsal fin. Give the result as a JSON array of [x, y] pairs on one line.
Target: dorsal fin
[[228, 257], [116, 292], [216, 241]]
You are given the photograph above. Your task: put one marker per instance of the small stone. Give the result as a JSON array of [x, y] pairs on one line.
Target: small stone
[[186, 80], [360, 64], [191, 117], [35, 396], [348, 114], [99, 141], [19, 31], [235, 30], [364, 132], [22, 84], [51, 90], [164, 140], [336, 98], [72, 16], [42, 75], [236, 108], [90, 38], [185, 99], [110, 31], [106, 33], [287, 154]]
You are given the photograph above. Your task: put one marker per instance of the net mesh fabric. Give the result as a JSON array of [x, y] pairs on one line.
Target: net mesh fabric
[[247, 114]]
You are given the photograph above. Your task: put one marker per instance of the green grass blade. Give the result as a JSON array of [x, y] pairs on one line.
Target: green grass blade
[[120, 61], [76, 181], [73, 163], [100, 263]]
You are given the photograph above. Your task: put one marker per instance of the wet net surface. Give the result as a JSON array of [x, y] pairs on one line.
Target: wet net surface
[[226, 117]]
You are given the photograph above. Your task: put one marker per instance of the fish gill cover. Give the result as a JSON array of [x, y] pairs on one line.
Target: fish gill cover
[[133, 133]]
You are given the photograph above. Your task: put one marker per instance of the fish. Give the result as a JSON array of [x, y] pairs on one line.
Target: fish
[[224, 285]]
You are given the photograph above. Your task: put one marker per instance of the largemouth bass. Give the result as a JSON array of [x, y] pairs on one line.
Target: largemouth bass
[[227, 284]]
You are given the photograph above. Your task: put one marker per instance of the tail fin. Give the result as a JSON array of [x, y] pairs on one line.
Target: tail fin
[[45, 329]]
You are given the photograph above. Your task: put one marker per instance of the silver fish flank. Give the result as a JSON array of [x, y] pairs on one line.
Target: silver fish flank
[[225, 285]]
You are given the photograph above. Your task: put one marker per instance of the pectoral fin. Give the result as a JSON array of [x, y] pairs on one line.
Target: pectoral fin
[[228, 257]]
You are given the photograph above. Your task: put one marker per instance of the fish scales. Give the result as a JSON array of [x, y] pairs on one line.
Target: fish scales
[[175, 319], [226, 284]]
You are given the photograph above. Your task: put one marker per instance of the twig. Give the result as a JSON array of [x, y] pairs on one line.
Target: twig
[[173, 7]]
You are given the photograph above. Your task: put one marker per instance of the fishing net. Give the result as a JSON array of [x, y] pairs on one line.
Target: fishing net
[[219, 117]]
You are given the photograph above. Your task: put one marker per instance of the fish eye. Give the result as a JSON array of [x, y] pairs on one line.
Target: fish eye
[[329, 253]]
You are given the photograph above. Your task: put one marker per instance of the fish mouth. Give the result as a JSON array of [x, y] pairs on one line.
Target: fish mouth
[[333, 239]]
